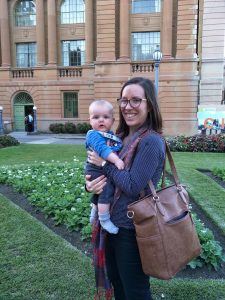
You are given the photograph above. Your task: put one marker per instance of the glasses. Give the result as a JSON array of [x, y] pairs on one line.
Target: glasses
[[134, 102]]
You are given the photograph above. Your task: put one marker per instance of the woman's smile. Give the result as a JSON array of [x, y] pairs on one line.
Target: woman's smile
[[134, 117], [129, 115]]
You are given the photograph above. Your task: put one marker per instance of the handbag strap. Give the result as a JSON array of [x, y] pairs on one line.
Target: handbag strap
[[172, 165], [173, 169]]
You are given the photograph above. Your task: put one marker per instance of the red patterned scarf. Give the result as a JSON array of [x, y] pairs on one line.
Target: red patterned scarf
[[104, 288]]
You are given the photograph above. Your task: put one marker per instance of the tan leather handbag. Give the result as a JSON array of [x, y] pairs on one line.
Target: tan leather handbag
[[166, 236]]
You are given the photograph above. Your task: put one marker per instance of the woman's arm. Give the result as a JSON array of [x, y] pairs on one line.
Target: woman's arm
[[149, 156]]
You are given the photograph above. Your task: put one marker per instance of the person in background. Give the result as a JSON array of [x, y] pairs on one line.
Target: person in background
[[143, 153], [103, 141], [29, 122]]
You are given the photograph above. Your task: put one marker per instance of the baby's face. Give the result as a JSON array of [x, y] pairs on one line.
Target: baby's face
[[101, 118]]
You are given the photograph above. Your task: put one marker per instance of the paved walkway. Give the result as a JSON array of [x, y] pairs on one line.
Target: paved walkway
[[48, 138]]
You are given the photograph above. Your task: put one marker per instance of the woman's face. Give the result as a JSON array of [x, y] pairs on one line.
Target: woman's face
[[134, 117]]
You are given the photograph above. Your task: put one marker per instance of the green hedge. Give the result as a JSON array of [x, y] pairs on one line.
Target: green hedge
[[198, 143], [70, 127], [8, 141]]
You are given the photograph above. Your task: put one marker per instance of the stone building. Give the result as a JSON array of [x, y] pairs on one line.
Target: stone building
[[60, 55]]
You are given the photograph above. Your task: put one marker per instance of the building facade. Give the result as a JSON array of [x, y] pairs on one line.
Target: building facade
[[59, 55]]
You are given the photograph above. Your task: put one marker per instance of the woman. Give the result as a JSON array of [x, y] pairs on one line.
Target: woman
[[143, 152]]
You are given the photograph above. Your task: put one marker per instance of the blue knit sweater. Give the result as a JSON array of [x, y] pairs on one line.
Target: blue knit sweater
[[147, 164], [98, 142]]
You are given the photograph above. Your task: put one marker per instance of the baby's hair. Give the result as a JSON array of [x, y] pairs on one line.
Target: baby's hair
[[101, 103]]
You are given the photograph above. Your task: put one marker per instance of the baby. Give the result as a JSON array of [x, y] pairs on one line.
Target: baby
[[103, 141]]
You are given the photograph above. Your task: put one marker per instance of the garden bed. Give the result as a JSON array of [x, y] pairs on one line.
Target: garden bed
[[75, 239]]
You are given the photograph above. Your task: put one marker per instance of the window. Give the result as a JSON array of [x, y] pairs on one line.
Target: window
[[73, 53], [70, 105], [145, 6], [144, 44], [26, 55], [72, 11], [25, 13]]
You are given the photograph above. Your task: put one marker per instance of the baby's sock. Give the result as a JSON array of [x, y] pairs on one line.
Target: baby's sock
[[106, 223], [93, 215]]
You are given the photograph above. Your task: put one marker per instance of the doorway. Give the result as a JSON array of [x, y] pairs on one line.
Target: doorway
[[23, 105]]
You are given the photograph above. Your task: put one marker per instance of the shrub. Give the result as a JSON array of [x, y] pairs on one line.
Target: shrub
[[212, 253], [220, 173], [8, 141], [83, 127], [57, 128], [198, 143], [70, 128]]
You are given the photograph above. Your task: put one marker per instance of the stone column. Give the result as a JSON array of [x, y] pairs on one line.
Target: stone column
[[89, 31], [124, 30], [52, 43], [106, 30], [166, 37], [40, 33], [5, 39]]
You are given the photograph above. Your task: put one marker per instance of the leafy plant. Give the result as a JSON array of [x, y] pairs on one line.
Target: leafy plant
[[219, 173], [8, 141], [57, 128], [57, 189], [198, 143], [83, 127], [212, 253], [70, 128]]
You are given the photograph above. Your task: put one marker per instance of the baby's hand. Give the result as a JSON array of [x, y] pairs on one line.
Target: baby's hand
[[119, 164]]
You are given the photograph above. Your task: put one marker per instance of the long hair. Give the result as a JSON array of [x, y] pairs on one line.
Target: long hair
[[154, 119]]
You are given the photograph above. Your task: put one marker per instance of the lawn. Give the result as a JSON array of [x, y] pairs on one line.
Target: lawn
[[209, 195], [28, 154], [37, 264]]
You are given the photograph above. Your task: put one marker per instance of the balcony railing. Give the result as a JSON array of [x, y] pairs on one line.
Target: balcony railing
[[22, 73], [70, 72], [142, 67]]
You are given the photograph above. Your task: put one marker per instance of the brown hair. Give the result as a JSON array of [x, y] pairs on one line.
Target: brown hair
[[154, 119]]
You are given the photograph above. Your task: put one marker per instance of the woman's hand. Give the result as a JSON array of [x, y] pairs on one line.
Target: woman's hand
[[94, 159], [96, 185]]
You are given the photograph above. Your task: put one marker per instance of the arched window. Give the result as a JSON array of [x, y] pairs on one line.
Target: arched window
[[72, 11], [23, 98], [25, 13]]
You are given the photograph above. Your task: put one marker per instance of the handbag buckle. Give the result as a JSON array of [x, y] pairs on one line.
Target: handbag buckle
[[155, 198], [179, 188], [130, 214]]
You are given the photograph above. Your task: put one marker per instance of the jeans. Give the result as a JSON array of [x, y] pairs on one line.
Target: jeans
[[124, 267]]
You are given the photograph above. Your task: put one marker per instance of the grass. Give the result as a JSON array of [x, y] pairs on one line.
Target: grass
[[209, 195], [37, 264], [25, 153]]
